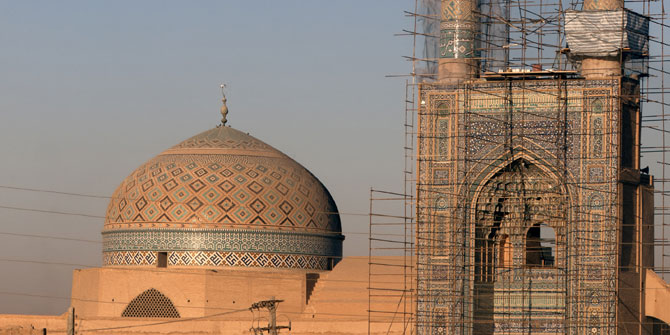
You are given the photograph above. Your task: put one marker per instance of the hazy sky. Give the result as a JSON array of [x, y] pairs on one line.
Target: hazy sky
[[89, 90]]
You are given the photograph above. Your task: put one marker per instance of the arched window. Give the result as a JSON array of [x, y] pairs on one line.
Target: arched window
[[150, 304], [540, 246]]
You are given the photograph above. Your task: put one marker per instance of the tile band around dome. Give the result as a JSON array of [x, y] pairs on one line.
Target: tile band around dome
[[222, 240], [219, 259]]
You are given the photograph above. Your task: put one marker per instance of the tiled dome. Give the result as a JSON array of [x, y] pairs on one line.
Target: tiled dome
[[222, 198]]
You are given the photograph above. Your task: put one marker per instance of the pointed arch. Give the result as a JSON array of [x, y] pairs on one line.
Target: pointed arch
[[514, 199], [151, 304]]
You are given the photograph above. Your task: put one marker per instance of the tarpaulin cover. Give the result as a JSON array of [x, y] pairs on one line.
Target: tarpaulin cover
[[605, 33]]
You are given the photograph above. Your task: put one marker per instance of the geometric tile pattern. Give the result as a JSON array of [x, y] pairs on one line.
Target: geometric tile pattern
[[223, 180], [218, 259], [158, 239], [457, 29]]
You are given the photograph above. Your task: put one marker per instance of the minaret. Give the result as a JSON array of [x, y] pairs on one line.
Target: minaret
[[458, 28], [606, 66]]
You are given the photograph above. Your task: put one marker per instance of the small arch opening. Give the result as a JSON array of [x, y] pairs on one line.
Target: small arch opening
[[150, 304], [540, 246]]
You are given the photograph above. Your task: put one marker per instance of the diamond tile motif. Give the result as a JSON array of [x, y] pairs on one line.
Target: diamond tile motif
[[194, 204], [226, 204], [258, 205], [240, 179], [282, 189], [286, 207], [273, 216], [211, 195], [155, 194], [226, 186], [179, 212], [271, 197], [201, 172], [147, 185], [166, 203], [242, 214], [122, 204], [176, 172], [241, 196], [255, 187], [140, 203], [197, 185], [151, 212], [212, 179], [170, 185], [210, 213], [181, 194]]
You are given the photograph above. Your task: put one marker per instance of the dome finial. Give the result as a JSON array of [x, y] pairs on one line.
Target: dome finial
[[224, 108]]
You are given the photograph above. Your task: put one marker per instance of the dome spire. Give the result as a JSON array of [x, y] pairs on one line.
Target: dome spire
[[224, 108]]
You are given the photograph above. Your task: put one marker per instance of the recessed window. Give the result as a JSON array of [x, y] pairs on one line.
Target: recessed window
[[162, 260], [540, 246]]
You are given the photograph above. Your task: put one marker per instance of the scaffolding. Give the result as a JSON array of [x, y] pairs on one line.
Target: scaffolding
[[538, 208]]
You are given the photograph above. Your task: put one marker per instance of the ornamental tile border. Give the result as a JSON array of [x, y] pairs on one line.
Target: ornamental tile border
[[223, 241], [217, 259]]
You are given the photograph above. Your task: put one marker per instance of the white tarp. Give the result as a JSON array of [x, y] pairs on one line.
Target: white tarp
[[604, 33]]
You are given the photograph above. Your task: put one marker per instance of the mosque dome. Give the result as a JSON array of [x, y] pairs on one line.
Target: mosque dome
[[222, 198]]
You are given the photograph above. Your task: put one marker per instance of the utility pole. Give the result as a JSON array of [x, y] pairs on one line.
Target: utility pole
[[70, 321], [271, 306]]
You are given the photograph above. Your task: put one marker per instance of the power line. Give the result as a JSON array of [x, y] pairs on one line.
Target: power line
[[54, 192], [165, 322], [51, 212], [43, 262], [50, 237]]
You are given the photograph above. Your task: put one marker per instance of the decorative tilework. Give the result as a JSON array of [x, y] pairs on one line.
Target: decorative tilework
[[219, 259], [456, 43], [596, 174], [441, 176], [597, 138], [457, 29], [574, 147], [222, 240]]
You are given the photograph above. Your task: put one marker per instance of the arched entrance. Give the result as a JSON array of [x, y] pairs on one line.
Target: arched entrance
[[519, 233]]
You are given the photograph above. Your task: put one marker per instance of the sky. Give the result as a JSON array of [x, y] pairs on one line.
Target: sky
[[90, 90]]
